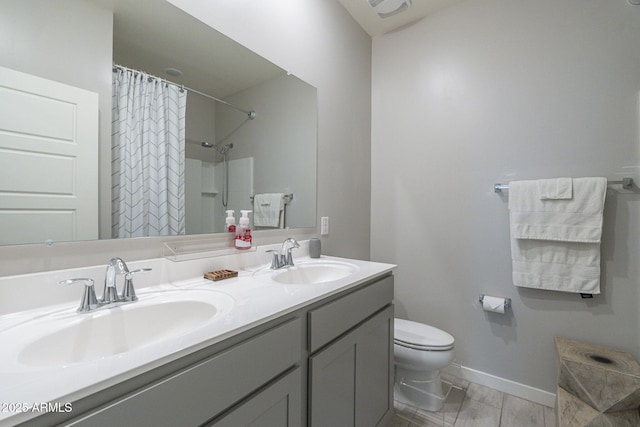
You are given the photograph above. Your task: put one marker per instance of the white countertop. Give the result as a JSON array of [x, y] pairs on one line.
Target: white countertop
[[256, 301]]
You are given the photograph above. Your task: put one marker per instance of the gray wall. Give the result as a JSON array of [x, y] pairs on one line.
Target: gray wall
[[200, 126], [491, 91], [282, 139]]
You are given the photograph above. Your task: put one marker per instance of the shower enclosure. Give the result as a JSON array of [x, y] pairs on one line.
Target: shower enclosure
[[222, 150], [207, 182]]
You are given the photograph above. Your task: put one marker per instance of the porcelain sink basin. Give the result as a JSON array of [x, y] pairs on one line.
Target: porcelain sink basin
[[313, 273], [73, 338]]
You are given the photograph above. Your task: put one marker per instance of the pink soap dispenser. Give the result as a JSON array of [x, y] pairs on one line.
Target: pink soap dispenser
[[243, 232], [231, 222]]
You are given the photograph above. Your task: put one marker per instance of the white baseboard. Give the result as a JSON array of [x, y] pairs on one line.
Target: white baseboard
[[504, 385]]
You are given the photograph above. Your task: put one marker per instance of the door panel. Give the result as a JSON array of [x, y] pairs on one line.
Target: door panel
[[48, 160]]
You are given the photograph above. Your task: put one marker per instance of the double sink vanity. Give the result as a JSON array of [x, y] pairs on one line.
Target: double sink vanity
[[310, 344]]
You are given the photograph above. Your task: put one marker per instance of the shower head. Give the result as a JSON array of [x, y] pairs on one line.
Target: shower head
[[224, 149]]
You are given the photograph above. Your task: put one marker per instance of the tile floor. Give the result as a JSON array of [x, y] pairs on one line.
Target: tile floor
[[478, 406]]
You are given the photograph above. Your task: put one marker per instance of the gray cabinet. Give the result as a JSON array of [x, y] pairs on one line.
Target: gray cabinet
[[329, 363], [195, 395], [330, 320], [279, 405], [351, 378]]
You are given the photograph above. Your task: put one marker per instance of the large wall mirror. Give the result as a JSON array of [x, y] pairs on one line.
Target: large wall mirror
[[249, 129]]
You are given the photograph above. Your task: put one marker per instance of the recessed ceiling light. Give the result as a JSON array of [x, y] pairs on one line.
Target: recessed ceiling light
[[387, 8], [174, 72]]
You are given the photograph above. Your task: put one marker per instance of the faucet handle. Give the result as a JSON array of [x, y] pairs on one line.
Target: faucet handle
[[89, 300], [275, 260], [289, 258], [128, 291]]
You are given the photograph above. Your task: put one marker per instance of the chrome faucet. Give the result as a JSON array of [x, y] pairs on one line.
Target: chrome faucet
[[284, 258], [285, 252], [115, 267]]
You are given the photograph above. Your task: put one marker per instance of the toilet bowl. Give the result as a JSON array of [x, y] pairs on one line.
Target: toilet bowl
[[419, 352]]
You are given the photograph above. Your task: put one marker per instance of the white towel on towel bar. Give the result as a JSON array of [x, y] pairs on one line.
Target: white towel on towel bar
[[558, 188], [555, 244], [268, 209], [578, 219]]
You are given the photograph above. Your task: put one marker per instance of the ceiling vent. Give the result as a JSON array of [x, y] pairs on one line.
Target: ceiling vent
[[387, 8]]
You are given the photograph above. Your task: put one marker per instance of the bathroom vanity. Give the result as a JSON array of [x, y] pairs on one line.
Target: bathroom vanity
[[281, 353]]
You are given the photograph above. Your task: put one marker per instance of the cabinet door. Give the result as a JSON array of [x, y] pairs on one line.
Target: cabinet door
[[351, 379], [278, 405], [332, 385], [374, 370]]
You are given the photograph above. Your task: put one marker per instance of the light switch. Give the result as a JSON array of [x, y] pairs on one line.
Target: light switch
[[324, 225]]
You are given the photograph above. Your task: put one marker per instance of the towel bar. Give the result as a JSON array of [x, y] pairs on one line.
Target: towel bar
[[627, 184], [287, 198]]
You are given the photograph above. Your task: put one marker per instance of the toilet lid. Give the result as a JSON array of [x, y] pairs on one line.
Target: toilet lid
[[418, 335]]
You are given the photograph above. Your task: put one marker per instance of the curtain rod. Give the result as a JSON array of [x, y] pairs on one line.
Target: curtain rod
[[250, 114]]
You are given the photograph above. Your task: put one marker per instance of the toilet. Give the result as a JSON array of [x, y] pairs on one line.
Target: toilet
[[419, 352]]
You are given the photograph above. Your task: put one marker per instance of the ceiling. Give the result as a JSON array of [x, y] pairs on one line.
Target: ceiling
[[368, 19], [151, 35]]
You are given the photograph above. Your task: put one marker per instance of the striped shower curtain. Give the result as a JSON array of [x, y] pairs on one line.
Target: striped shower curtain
[[148, 151]]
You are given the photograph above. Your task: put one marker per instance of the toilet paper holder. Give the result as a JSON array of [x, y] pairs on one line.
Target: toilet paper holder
[[507, 301]]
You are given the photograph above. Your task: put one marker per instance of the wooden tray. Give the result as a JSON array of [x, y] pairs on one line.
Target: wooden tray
[[220, 275]]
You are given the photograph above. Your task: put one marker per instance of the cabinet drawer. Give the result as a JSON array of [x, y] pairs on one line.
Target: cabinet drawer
[[337, 317], [196, 394]]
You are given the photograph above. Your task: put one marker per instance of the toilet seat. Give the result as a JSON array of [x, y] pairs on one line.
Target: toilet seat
[[419, 336]]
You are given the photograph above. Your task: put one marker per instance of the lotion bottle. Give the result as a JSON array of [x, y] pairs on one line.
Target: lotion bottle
[[243, 232], [230, 221]]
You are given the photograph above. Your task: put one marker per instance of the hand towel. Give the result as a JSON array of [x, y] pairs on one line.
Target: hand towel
[[555, 243], [571, 220], [559, 188], [267, 208]]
